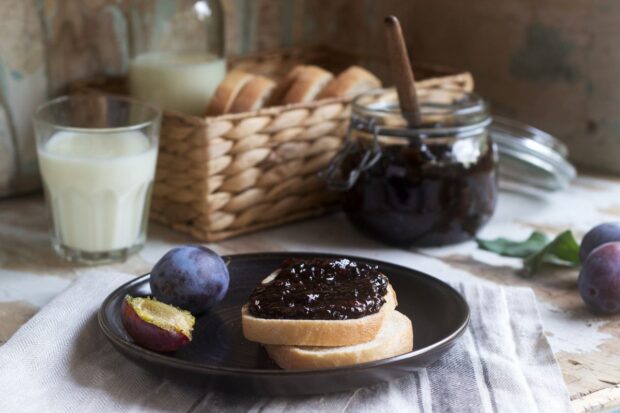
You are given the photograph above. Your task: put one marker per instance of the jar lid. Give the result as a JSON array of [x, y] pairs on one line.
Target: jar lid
[[530, 156], [443, 111]]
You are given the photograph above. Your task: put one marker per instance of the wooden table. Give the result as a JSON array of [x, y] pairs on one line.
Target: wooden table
[[586, 346]]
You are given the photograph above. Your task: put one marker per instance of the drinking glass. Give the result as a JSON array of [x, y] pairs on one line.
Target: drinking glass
[[97, 158]]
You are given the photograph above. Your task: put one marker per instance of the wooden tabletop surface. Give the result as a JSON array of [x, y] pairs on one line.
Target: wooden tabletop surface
[[586, 346]]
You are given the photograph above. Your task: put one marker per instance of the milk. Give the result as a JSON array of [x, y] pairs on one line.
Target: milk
[[181, 81], [98, 187]]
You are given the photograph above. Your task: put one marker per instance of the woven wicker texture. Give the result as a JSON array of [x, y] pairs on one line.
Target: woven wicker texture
[[233, 174]]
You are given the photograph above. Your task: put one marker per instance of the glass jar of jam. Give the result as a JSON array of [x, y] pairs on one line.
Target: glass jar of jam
[[428, 185]]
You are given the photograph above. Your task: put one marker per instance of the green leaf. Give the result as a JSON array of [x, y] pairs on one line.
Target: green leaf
[[563, 250], [509, 248], [537, 250]]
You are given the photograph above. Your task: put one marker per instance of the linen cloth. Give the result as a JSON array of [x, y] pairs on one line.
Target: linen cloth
[[59, 361]]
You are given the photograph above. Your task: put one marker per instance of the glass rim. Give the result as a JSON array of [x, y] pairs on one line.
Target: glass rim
[[431, 135], [479, 104], [471, 117], [155, 113]]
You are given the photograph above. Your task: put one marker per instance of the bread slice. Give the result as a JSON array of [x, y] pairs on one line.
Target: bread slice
[[277, 96], [394, 338], [323, 333], [309, 81], [460, 81], [350, 83], [227, 92], [253, 95]]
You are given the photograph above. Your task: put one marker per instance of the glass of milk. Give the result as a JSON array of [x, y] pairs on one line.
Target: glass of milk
[[97, 158]]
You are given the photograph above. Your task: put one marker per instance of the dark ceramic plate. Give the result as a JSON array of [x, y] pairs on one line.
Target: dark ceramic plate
[[221, 357]]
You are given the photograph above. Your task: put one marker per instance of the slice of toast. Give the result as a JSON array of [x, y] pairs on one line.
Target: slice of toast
[[253, 95], [350, 83], [284, 85], [394, 338], [227, 92], [309, 81], [323, 333]]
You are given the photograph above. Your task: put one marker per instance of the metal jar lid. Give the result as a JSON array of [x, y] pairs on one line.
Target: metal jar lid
[[531, 156]]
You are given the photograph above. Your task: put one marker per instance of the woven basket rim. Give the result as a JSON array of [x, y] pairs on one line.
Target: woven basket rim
[[278, 109]]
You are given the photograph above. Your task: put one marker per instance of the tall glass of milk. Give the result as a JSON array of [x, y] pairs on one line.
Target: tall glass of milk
[[97, 158], [177, 53]]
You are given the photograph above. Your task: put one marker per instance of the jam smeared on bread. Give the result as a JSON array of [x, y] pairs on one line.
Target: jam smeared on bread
[[320, 289], [326, 313]]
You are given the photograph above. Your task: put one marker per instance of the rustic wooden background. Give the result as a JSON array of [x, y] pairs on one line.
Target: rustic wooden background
[[553, 64]]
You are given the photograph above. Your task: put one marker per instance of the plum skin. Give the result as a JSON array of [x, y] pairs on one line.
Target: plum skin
[[599, 279], [149, 335], [191, 277], [597, 236]]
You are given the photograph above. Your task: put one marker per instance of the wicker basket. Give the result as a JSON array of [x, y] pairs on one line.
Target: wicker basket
[[223, 176]]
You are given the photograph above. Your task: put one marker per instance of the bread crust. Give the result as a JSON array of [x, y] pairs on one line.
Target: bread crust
[[463, 81], [227, 91], [395, 338], [309, 82], [321, 333], [284, 85], [253, 95], [349, 83]]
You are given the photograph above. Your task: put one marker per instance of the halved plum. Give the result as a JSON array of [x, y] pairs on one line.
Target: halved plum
[[155, 325]]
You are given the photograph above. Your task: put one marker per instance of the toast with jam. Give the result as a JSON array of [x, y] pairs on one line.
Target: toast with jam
[[318, 313], [394, 338]]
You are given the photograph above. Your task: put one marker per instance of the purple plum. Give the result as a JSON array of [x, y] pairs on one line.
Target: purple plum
[[599, 279], [191, 277], [597, 236], [155, 325]]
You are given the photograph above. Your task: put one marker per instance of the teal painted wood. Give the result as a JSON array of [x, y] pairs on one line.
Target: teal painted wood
[[287, 8], [9, 165], [120, 29], [23, 86], [245, 16]]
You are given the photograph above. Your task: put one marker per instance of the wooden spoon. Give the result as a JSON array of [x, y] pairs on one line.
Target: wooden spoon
[[401, 72]]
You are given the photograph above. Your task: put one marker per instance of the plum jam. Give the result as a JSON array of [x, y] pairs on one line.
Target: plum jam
[[320, 289], [429, 185]]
